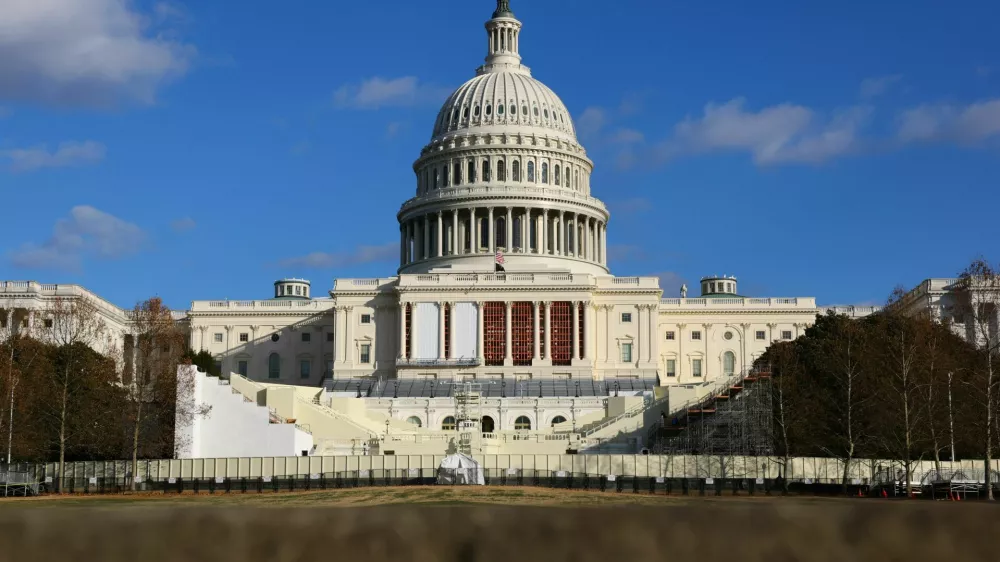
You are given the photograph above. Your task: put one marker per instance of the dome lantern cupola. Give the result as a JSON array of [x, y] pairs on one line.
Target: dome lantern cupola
[[715, 286], [290, 288], [503, 31]]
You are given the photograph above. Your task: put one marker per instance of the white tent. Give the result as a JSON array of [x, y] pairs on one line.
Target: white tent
[[461, 470]]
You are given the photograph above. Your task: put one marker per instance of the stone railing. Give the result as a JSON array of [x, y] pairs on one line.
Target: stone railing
[[465, 279], [851, 311], [503, 191], [738, 302], [59, 291], [410, 362], [263, 306]]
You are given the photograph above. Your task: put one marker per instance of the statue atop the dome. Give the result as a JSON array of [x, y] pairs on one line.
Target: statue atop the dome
[[684, 291], [503, 9]]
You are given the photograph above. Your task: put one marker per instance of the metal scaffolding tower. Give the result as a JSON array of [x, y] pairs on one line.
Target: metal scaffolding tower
[[469, 406]]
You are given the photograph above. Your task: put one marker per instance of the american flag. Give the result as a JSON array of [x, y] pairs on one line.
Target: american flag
[[499, 257], [498, 267]]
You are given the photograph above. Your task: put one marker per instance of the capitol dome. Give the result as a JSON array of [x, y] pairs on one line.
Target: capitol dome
[[504, 180]]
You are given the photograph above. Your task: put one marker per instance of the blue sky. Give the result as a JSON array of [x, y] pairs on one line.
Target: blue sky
[[201, 150]]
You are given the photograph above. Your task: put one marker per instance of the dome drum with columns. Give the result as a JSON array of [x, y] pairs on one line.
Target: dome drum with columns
[[503, 172]]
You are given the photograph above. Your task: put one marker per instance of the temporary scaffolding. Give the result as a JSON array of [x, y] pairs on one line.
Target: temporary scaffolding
[[732, 420]]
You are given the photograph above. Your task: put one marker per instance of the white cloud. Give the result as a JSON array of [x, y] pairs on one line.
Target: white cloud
[[377, 92], [627, 136], [591, 121], [777, 134], [969, 124], [86, 232], [183, 224], [86, 52], [358, 256], [874, 87], [67, 154]]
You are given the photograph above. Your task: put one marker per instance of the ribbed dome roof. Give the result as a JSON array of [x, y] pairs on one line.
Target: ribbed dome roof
[[503, 99]]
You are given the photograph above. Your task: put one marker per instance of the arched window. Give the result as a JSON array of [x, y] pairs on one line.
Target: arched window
[[458, 173], [546, 113], [524, 110], [513, 110], [557, 420], [486, 170], [522, 423], [531, 171], [414, 420], [558, 178], [274, 366], [567, 177], [500, 227], [472, 172], [516, 170], [454, 115], [499, 109], [489, 109], [728, 363], [576, 179], [475, 112], [448, 424], [465, 113], [501, 170], [536, 111], [487, 424], [545, 172], [444, 176], [437, 179]]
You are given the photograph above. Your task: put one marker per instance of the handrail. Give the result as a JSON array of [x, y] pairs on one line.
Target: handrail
[[713, 394]]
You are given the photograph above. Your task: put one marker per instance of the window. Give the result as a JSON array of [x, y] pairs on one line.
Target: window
[[458, 173], [522, 423], [536, 111], [486, 170], [444, 176], [761, 335], [304, 367], [448, 424], [414, 420], [217, 338], [298, 291], [671, 336], [274, 366], [626, 353], [557, 420], [728, 335], [546, 113], [786, 334], [513, 109], [242, 368], [306, 337], [329, 336], [728, 363], [696, 335], [531, 171], [366, 318], [329, 368], [696, 367], [275, 337], [524, 109], [437, 179], [516, 170], [555, 173], [501, 170], [465, 113], [48, 322], [472, 172], [244, 337], [500, 109], [671, 367], [626, 317], [366, 353], [489, 110], [475, 112], [545, 172]]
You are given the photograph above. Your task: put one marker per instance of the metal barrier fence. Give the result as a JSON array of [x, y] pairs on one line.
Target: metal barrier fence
[[358, 479], [17, 484]]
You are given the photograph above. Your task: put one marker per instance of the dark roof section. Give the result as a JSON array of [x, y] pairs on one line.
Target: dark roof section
[[495, 389]]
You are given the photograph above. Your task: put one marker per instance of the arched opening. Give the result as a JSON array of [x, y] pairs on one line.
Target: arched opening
[[522, 423], [531, 172], [472, 172], [516, 170], [448, 424], [458, 173], [486, 170], [487, 424], [545, 172], [555, 172], [558, 420], [501, 232], [729, 363], [414, 420], [444, 176], [274, 366], [501, 170]]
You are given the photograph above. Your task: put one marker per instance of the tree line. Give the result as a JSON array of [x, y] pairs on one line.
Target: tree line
[[894, 385], [62, 401]]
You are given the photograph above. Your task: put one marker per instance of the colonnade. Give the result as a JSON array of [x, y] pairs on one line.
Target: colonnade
[[541, 341], [484, 230]]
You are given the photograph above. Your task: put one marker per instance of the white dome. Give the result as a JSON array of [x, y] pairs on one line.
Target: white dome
[[503, 99]]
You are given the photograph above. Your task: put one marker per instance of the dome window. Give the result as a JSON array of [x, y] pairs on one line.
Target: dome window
[[472, 172], [531, 171], [444, 176], [458, 173], [513, 109], [501, 169], [545, 172], [524, 110], [465, 113], [489, 110], [546, 113], [516, 170], [536, 112], [475, 112], [500, 109], [555, 172], [454, 115], [486, 170]]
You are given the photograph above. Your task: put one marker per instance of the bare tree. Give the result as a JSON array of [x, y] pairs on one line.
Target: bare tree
[[19, 356], [980, 303], [75, 324], [785, 369]]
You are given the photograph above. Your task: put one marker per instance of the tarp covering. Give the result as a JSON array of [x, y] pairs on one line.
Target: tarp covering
[[461, 470]]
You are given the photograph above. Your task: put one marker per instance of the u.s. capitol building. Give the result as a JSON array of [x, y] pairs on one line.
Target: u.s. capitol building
[[554, 342]]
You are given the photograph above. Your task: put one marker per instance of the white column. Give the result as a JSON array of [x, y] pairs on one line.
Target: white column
[[491, 230], [548, 331], [542, 238], [454, 232], [604, 243], [409, 241], [508, 340], [509, 241], [402, 247], [536, 342], [526, 231], [451, 323], [441, 354], [349, 333], [476, 230], [427, 237], [654, 315], [589, 331], [575, 331], [402, 330], [480, 352], [440, 235]]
